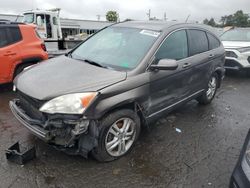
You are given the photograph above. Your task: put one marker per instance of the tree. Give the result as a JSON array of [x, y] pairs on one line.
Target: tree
[[112, 16], [238, 19], [210, 22], [205, 21], [241, 19], [223, 20]]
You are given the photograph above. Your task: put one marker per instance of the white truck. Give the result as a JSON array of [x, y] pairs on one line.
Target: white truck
[[49, 29]]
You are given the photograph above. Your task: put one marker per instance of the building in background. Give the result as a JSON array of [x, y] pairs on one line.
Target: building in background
[[69, 26]]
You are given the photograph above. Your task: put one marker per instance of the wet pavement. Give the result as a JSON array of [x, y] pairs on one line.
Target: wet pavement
[[195, 146]]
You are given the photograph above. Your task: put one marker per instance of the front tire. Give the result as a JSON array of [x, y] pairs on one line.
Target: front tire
[[208, 95], [118, 133]]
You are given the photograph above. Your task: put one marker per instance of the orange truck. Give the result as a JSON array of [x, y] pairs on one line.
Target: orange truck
[[20, 47]]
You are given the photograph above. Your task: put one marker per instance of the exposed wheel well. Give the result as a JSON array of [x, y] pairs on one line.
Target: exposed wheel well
[[25, 63], [220, 75], [20, 67], [136, 107]]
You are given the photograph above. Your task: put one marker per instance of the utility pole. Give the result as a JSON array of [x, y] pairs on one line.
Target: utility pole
[[165, 16], [98, 17], [187, 18], [149, 14]]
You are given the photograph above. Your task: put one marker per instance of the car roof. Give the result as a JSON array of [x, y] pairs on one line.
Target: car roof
[[9, 23], [158, 25]]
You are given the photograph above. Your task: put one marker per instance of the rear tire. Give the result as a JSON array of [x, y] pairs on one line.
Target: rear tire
[[118, 133], [208, 95]]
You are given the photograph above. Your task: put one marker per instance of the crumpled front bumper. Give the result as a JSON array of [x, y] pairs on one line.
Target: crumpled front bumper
[[70, 137], [31, 124]]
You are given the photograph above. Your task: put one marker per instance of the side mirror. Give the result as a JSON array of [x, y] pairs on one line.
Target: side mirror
[[165, 64], [39, 21]]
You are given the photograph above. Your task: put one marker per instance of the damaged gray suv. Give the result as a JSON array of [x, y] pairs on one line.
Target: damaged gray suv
[[96, 98]]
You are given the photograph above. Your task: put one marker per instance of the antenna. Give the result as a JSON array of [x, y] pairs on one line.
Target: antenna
[[187, 18], [17, 17], [149, 14], [165, 16], [98, 17]]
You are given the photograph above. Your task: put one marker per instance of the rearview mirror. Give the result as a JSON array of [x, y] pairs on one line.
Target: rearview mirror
[[165, 64]]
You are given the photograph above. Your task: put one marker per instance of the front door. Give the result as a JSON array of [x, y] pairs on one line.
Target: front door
[[169, 87]]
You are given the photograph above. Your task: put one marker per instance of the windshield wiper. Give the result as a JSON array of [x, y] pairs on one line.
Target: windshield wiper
[[90, 62], [94, 63]]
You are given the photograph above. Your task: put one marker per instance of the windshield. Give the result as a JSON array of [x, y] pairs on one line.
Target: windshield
[[236, 35], [28, 18], [117, 47]]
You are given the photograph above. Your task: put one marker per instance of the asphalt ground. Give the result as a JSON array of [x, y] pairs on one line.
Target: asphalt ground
[[194, 146]]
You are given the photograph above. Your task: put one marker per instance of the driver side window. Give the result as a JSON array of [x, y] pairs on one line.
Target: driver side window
[[174, 47]]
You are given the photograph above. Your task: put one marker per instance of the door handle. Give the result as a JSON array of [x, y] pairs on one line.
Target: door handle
[[211, 56], [186, 65]]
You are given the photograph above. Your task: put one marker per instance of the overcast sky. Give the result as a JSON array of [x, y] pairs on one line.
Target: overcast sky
[[134, 9]]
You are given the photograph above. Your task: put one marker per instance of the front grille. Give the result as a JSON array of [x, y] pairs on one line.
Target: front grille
[[232, 63], [231, 54], [31, 106]]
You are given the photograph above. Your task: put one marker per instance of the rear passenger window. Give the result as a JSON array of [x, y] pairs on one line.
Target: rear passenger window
[[174, 47], [198, 42], [213, 42], [3, 37], [15, 34]]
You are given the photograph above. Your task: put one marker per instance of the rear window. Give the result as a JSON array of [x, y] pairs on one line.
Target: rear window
[[198, 42], [213, 42]]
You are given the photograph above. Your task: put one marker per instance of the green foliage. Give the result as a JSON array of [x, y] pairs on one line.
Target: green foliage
[[210, 22], [112, 16], [238, 19]]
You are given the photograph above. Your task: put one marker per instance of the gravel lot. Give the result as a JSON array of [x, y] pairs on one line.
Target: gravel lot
[[202, 155]]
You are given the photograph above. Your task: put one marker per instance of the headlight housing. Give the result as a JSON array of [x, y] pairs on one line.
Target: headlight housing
[[243, 50], [69, 104]]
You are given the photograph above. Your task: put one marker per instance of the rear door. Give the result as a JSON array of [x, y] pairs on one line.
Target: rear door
[[200, 57], [9, 51], [169, 87]]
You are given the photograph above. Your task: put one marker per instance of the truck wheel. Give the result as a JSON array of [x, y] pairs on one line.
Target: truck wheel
[[118, 133], [210, 92]]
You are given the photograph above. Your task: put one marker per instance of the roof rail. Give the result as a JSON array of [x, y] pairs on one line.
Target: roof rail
[[3, 21]]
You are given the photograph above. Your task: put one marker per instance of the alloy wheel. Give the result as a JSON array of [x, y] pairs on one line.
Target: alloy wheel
[[120, 137]]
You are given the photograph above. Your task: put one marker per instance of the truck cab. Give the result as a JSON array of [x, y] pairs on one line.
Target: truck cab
[[48, 23]]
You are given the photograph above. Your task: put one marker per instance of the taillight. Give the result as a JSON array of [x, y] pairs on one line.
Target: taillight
[[43, 47]]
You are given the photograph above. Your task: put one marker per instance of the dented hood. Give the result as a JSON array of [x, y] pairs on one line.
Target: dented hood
[[63, 75]]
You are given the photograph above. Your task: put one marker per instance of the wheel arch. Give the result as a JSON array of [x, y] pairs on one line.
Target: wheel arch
[[130, 104], [220, 72], [25, 62]]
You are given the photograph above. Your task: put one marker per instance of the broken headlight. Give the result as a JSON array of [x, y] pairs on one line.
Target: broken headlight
[[69, 104]]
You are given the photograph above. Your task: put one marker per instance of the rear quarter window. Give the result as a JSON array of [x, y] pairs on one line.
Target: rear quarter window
[[198, 42], [213, 41], [15, 34], [3, 37]]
